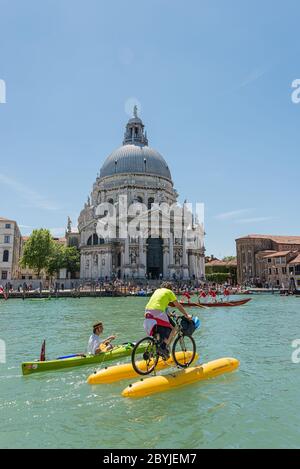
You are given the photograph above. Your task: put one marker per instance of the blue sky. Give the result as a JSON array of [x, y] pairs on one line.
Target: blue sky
[[213, 79]]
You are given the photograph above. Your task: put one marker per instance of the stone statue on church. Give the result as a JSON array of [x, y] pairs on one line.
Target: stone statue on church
[[133, 255], [69, 224], [178, 256]]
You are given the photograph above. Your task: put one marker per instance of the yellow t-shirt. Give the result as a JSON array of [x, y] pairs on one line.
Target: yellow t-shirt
[[160, 299]]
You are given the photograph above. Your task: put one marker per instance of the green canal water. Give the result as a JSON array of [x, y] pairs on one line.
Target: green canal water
[[257, 406]]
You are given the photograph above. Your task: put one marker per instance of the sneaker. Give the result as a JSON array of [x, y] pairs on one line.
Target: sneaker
[[164, 352]]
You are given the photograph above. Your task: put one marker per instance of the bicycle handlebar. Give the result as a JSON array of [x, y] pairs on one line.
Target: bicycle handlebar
[[175, 316]]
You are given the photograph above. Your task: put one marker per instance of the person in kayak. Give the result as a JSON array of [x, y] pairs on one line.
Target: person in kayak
[[95, 344], [157, 319]]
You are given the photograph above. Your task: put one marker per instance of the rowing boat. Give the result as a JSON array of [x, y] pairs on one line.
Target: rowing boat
[[118, 351], [220, 304]]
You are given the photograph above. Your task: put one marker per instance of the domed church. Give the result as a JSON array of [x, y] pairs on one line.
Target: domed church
[[140, 173]]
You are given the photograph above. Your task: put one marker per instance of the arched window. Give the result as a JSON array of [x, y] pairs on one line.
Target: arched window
[[139, 199], [95, 239], [111, 201], [5, 256], [150, 202]]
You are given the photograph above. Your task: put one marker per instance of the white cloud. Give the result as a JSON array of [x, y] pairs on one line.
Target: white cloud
[[31, 197], [254, 75], [254, 219], [232, 214]]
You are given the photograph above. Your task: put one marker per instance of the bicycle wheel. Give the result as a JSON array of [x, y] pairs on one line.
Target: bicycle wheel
[[149, 357], [187, 346]]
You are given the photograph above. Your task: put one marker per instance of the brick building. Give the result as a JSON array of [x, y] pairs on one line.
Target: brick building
[[265, 259]]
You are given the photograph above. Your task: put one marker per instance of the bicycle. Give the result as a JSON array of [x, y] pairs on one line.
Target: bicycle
[[181, 343]]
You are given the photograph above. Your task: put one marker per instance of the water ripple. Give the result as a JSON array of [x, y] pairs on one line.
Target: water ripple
[[255, 407]]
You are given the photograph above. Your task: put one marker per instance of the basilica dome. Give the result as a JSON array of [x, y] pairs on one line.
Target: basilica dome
[[135, 156], [135, 159]]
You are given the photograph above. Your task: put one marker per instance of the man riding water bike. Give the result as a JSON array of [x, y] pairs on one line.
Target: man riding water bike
[[157, 319]]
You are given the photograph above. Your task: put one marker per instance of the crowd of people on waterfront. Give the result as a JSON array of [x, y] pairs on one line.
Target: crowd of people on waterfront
[[118, 287], [21, 288], [205, 291]]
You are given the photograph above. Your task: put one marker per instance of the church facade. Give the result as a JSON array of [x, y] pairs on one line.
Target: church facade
[[139, 175]]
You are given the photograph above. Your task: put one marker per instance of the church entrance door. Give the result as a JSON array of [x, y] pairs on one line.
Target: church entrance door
[[155, 258]]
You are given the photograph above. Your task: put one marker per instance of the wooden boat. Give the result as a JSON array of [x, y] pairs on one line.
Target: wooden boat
[[260, 291], [220, 304]]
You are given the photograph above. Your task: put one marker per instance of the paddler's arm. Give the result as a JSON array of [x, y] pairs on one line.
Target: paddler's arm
[[105, 342], [111, 337], [181, 309]]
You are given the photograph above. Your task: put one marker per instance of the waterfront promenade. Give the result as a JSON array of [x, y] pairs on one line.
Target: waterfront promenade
[[125, 291]]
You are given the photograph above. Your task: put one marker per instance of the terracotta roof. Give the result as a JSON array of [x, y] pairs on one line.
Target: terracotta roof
[[217, 262], [263, 253], [277, 239], [59, 240], [233, 262], [7, 219], [296, 260], [278, 254]]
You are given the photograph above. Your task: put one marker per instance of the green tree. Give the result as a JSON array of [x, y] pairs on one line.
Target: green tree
[[72, 260], [218, 277], [215, 269], [56, 259], [37, 250]]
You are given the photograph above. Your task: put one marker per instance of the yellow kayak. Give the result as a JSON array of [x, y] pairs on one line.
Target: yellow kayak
[[126, 371], [190, 375]]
